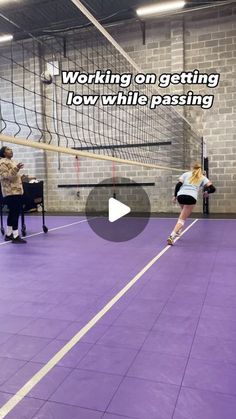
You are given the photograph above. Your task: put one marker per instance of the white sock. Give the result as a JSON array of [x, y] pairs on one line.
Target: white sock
[[15, 234], [173, 234], [9, 230]]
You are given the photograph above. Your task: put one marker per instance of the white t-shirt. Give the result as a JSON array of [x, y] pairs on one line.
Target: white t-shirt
[[188, 188]]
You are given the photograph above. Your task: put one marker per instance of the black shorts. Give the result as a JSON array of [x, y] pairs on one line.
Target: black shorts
[[186, 200]]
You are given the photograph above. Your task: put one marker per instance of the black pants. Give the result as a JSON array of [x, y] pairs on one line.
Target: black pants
[[14, 203]]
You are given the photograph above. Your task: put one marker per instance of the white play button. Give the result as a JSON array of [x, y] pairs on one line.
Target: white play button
[[117, 210], [107, 217]]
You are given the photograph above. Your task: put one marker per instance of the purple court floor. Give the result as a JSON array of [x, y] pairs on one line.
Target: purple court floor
[[165, 350]]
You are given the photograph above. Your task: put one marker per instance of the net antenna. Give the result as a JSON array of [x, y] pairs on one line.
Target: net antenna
[[34, 110], [205, 166]]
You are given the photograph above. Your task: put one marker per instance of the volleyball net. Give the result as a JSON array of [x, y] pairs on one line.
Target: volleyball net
[[52, 97]]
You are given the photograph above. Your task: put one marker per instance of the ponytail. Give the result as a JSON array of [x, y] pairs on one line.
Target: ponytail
[[196, 174]]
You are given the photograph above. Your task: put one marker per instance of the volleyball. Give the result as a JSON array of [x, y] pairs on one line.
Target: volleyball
[[46, 77]]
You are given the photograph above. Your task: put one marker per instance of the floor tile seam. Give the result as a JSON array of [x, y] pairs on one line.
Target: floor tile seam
[[83, 356], [194, 336], [44, 337], [48, 398], [15, 400], [216, 337], [61, 404], [49, 230], [61, 382], [215, 305], [31, 321], [153, 381], [76, 406], [37, 353], [139, 350], [141, 380], [14, 373], [29, 361], [89, 370], [145, 351], [209, 390], [214, 363]]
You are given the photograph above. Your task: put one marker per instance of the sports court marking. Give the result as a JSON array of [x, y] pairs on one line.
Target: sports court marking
[[84, 221], [12, 403], [68, 225], [51, 229], [64, 226]]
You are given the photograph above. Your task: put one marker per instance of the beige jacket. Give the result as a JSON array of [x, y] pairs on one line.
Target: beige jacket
[[10, 178]]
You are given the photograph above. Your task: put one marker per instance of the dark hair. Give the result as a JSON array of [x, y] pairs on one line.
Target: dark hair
[[2, 152]]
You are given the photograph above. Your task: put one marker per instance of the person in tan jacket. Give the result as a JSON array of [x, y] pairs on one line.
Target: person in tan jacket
[[12, 192]]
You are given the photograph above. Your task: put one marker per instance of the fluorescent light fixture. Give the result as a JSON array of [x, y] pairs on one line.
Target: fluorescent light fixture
[[5, 38], [3, 2], [160, 8]]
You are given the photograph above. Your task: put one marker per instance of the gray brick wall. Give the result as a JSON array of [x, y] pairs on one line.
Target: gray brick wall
[[210, 46], [202, 41]]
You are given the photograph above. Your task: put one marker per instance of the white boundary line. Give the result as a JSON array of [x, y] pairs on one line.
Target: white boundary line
[[199, 219], [51, 229], [24, 391], [154, 218], [217, 219]]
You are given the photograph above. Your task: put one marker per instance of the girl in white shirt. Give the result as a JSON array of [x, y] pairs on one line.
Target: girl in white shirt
[[186, 193]]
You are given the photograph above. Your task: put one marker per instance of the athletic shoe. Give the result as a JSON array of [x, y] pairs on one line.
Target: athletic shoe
[[18, 240], [170, 240], [8, 238]]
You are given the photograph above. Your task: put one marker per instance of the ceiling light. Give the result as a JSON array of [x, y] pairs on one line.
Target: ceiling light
[[8, 1], [160, 8], [5, 38]]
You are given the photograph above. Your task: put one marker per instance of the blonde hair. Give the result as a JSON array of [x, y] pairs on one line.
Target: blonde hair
[[196, 174]]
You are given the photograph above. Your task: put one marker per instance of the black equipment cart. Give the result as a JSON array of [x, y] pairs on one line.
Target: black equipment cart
[[32, 198]]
